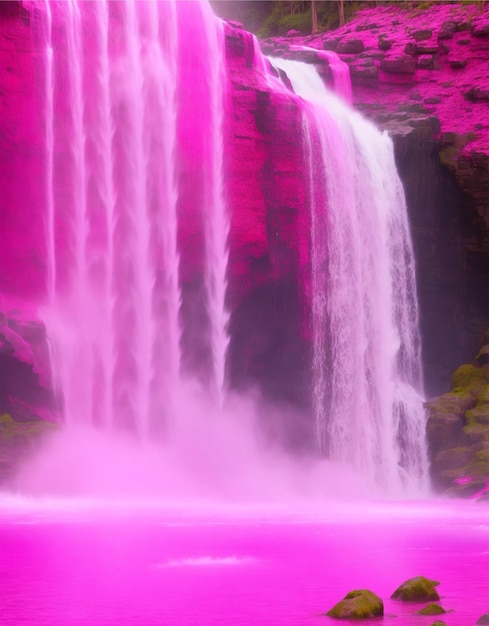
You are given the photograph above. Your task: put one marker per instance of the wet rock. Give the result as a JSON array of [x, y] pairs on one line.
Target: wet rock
[[421, 35], [480, 28], [447, 30], [331, 44], [438, 623], [427, 47], [457, 64], [477, 94], [425, 61], [19, 439], [453, 458], [350, 46], [358, 604], [483, 619], [432, 100], [418, 589], [432, 609], [410, 48], [364, 71], [403, 64], [445, 431], [384, 42], [452, 403]]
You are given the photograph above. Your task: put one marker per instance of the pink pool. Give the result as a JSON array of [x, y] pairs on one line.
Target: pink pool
[[71, 563]]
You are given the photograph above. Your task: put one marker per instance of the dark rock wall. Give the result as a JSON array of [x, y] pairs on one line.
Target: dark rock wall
[[452, 281]]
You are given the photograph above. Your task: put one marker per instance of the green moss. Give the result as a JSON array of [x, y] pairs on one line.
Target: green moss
[[477, 432], [468, 379], [478, 415], [483, 397], [432, 609], [23, 434]]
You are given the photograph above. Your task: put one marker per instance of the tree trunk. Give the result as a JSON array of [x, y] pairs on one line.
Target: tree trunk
[[314, 13], [341, 11]]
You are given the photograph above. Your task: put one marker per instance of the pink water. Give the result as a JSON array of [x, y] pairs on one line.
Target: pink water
[[80, 563]]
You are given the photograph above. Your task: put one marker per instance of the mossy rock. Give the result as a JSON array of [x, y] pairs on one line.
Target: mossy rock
[[452, 403], [418, 589], [483, 397], [468, 378], [483, 619], [467, 489], [478, 415], [438, 623], [479, 464], [20, 437], [452, 458], [358, 604], [477, 433], [432, 609], [445, 430]]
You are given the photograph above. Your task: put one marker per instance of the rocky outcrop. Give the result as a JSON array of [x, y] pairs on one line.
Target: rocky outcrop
[[358, 604], [18, 440], [458, 431], [418, 589]]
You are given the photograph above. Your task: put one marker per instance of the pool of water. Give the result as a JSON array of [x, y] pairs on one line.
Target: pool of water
[[86, 562]]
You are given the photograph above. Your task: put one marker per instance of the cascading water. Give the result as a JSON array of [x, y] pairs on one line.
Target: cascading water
[[112, 72], [135, 167], [367, 365]]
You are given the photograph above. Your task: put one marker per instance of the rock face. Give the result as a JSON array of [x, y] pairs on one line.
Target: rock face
[[418, 589], [17, 441], [458, 431], [358, 604]]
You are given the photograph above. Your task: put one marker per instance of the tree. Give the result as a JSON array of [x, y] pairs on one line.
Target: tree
[[314, 14], [341, 12]]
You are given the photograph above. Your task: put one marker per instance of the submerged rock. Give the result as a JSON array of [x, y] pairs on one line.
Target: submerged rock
[[432, 609], [358, 604], [418, 589]]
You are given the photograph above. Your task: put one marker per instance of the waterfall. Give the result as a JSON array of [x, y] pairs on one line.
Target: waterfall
[[112, 110], [135, 170], [367, 387]]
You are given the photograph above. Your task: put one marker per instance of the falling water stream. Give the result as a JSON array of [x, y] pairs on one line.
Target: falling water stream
[[367, 382], [132, 109]]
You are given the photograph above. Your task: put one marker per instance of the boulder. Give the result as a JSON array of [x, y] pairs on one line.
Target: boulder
[[452, 458], [425, 62], [438, 623], [421, 35], [447, 30], [418, 589], [483, 619], [432, 609], [451, 403], [444, 431], [350, 46], [358, 604], [402, 64]]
